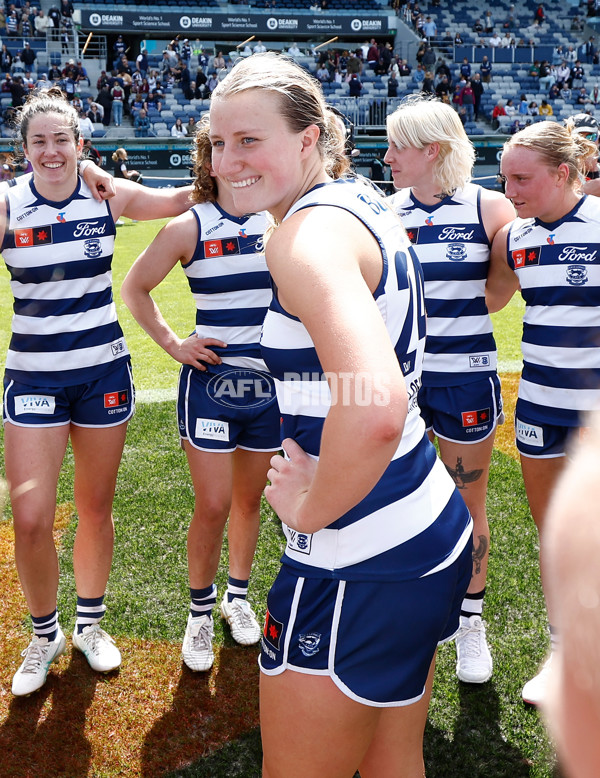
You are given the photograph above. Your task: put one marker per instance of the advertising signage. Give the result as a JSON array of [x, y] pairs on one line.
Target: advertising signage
[[191, 24]]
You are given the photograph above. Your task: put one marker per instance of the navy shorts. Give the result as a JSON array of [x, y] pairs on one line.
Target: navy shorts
[[462, 414], [106, 402], [225, 407], [374, 639], [542, 441]]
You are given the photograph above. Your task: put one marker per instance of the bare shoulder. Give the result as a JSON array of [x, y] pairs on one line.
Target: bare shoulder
[[496, 211]]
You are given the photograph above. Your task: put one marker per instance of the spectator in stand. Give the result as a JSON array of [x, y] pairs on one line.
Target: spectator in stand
[[66, 9], [259, 48], [546, 78], [534, 70], [86, 128], [510, 108], [294, 51], [428, 58], [178, 130], [477, 88], [508, 41], [104, 99], [392, 86], [427, 87], [443, 89], [565, 93], [458, 41], [90, 152], [429, 28], [18, 92], [419, 74], [563, 73], [94, 113], [558, 54], [186, 51], [577, 75], [478, 27], [442, 69], [117, 94], [41, 24], [354, 85], [571, 55], [323, 74], [467, 101], [119, 48], [590, 50], [211, 84], [523, 109], [190, 127], [141, 124], [12, 24], [404, 69], [533, 108], [142, 62], [554, 92], [510, 23], [539, 15], [5, 59], [465, 69], [582, 97], [28, 56], [488, 21], [546, 109], [495, 40], [54, 16], [485, 69]]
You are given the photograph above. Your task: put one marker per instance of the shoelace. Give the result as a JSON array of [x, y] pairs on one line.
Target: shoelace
[[34, 656], [94, 636], [472, 637], [244, 611], [203, 637]]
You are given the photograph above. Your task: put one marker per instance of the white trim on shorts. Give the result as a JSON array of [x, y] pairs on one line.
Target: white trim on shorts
[[328, 672], [498, 419]]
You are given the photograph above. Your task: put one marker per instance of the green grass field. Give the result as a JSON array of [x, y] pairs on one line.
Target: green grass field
[[480, 732]]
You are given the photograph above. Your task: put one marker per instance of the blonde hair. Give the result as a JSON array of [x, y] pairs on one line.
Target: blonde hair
[[205, 185], [300, 97], [119, 154], [419, 121], [556, 145]]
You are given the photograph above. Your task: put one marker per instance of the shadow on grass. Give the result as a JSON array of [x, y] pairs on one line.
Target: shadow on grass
[[44, 734], [476, 746], [207, 709]]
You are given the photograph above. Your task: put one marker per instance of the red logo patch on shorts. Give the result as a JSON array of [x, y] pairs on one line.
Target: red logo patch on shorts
[[272, 631], [471, 418], [114, 399]]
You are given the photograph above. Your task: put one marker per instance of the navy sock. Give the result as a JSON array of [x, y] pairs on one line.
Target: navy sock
[[90, 610], [203, 601], [46, 626], [236, 587]]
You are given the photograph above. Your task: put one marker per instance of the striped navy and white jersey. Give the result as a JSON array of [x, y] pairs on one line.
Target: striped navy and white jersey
[[413, 521], [558, 266], [59, 255], [453, 248], [230, 283]]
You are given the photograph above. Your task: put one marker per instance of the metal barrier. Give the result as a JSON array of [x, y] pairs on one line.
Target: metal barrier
[[367, 113]]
